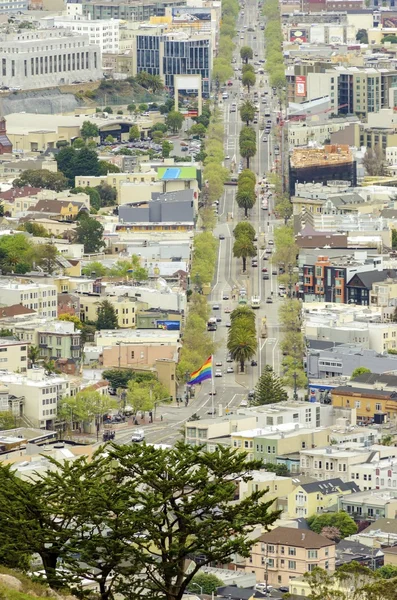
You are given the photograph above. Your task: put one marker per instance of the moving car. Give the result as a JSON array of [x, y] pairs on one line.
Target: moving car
[[269, 300], [229, 370], [218, 373], [215, 307], [138, 435]]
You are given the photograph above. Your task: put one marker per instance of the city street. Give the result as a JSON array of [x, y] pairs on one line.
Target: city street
[[232, 388]]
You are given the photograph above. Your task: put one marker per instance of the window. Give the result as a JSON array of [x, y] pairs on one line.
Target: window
[[270, 549], [132, 354], [311, 554], [291, 551], [292, 565]]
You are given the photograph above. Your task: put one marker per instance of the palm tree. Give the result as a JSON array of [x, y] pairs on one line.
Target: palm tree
[[241, 344], [243, 314], [33, 354], [243, 248]]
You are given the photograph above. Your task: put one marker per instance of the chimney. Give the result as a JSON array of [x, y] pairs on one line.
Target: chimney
[[303, 536]]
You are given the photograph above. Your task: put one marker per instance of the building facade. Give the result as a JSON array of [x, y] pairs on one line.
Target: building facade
[[129, 11], [285, 553], [13, 355], [47, 58], [102, 33], [41, 297]]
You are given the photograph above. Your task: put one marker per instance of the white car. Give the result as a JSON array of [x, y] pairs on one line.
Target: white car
[[218, 363], [230, 370], [218, 373], [243, 403]]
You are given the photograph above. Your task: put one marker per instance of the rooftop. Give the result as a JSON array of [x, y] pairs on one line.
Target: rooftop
[[373, 497], [287, 536], [328, 155]]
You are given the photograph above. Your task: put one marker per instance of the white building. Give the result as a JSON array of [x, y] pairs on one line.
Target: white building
[[41, 393], [13, 6], [101, 32], [375, 474], [339, 461], [41, 297], [47, 58]]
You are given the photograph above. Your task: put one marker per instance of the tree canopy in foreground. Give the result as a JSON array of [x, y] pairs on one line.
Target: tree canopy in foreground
[[133, 518]]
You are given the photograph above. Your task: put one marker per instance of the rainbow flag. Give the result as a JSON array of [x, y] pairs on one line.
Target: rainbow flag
[[203, 373]]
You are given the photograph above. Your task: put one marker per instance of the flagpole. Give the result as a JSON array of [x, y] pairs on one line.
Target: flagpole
[[212, 383]]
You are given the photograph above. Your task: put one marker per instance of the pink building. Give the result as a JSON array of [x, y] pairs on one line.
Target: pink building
[[130, 355]]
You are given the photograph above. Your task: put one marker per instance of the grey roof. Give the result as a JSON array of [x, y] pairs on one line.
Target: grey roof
[[371, 277], [330, 486], [372, 378], [348, 198], [389, 213], [178, 195], [322, 344], [384, 524], [352, 389]]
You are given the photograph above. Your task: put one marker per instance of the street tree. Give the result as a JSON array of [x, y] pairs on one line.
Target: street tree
[[246, 200], [166, 148], [107, 194], [42, 178], [174, 120], [107, 318], [89, 130], [134, 133], [241, 343], [248, 79], [89, 233], [139, 397], [245, 229], [248, 150], [247, 112], [269, 388], [244, 248], [246, 53]]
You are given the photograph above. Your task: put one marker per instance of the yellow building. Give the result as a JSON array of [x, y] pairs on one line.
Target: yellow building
[[390, 556], [367, 402], [124, 307], [278, 487], [310, 499]]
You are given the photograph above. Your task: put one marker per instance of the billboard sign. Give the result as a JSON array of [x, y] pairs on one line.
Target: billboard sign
[[298, 35], [300, 86], [168, 325], [389, 20], [185, 14]]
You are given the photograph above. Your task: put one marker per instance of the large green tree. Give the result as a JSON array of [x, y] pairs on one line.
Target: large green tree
[[247, 112], [269, 388], [89, 130], [248, 79], [340, 520], [89, 232], [244, 248], [174, 120], [242, 342], [246, 53], [42, 178], [107, 318]]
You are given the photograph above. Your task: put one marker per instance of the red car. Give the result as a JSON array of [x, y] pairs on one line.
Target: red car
[[264, 270]]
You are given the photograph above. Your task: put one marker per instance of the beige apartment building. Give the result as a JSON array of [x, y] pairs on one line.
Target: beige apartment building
[[124, 308], [132, 355], [285, 553], [14, 355]]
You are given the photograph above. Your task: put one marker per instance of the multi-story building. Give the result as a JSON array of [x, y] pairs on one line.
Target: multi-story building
[[339, 461], [322, 165], [369, 404], [341, 360], [42, 394], [47, 58], [285, 553], [41, 297], [124, 308], [370, 505], [122, 9], [309, 499], [13, 355], [103, 33], [270, 445], [13, 6], [166, 54]]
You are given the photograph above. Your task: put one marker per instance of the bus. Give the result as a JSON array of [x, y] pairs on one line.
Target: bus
[[264, 328], [255, 302], [211, 325]]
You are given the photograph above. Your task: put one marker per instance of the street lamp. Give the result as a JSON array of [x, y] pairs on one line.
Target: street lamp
[[198, 585]]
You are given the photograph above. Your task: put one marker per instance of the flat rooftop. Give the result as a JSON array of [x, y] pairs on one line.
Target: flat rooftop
[[320, 157]]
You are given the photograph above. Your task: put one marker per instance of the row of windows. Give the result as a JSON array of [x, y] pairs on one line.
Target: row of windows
[[29, 49], [50, 411], [48, 401]]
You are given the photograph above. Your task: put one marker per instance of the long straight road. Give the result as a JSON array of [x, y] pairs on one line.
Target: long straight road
[[232, 388]]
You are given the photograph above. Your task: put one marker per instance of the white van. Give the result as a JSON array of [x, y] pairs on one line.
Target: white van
[[138, 435], [225, 95]]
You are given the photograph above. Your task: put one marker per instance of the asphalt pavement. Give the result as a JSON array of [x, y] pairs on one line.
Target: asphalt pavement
[[232, 388]]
